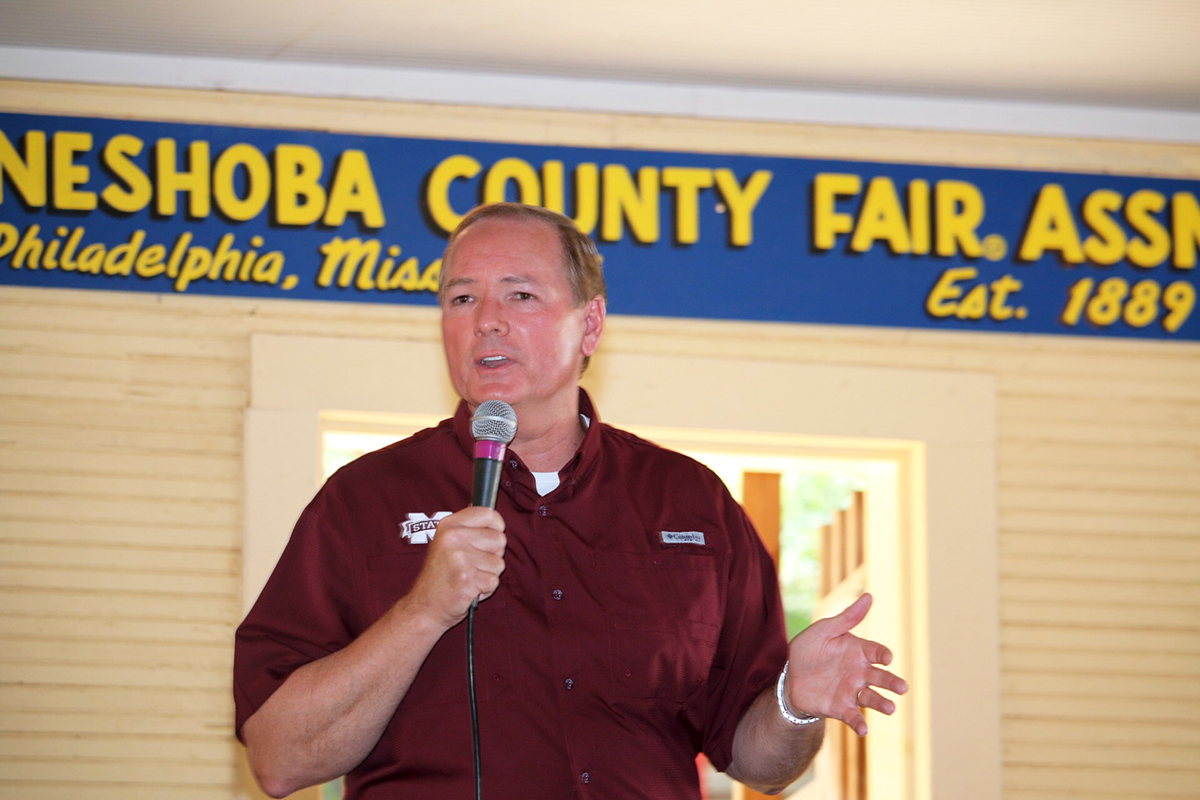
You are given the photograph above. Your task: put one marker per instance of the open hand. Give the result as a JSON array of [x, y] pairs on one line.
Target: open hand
[[832, 672]]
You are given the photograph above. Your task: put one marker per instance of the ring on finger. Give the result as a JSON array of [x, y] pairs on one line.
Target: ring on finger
[[858, 697]]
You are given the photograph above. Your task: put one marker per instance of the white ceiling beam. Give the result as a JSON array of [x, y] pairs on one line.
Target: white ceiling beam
[[614, 96]]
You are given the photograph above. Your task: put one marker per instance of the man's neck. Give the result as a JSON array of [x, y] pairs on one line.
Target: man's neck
[[547, 440]]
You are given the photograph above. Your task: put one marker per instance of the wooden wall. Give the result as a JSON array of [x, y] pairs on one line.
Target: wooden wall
[[121, 486]]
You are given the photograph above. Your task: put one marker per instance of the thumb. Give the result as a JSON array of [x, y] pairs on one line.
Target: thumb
[[855, 613]]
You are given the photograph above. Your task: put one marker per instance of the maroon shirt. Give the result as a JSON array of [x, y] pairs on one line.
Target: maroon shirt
[[637, 617]]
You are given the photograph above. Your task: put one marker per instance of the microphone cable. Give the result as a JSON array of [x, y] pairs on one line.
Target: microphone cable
[[471, 688]]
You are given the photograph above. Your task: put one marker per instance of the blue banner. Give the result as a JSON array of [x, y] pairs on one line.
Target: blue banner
[[197, 209]]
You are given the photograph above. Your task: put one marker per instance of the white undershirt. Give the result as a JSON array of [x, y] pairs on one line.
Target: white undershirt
[[547, 482]]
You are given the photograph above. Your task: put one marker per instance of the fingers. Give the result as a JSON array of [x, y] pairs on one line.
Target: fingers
[[886, 680], [869, 698], [464, 563]]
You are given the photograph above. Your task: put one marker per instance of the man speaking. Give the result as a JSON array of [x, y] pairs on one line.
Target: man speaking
[[628, 617]]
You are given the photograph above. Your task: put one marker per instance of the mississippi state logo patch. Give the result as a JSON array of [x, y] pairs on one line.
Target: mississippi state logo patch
[[420, 528]]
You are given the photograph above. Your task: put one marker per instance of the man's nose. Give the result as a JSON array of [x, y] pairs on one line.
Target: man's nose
[[490, 317]]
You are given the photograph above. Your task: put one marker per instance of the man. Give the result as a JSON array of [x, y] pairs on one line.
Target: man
[[628, 616]]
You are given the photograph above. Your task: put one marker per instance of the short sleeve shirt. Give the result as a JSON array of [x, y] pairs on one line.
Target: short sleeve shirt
[[637, 618]]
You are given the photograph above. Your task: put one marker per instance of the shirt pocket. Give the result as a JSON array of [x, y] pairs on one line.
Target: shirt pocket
[[663, 612]]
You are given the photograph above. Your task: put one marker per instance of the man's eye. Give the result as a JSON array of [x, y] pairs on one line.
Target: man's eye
[[524, 296], [460, 299]]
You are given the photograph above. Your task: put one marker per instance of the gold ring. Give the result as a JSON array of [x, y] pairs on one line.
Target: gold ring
[[858, 697]]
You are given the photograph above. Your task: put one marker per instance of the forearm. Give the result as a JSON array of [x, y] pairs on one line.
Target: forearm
[[329, 714], [769, 752]]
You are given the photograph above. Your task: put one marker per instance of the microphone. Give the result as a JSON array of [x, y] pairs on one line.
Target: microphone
[[494, 424]]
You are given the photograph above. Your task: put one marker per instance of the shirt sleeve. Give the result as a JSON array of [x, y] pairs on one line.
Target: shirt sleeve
[[305, 611], [753, 643]]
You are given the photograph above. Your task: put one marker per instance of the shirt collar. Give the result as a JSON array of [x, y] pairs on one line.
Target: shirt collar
[[575, 469]]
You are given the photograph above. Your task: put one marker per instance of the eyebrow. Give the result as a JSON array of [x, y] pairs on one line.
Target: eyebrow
[[512, 279]]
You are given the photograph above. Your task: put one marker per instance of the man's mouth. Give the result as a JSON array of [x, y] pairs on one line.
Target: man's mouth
[[493, 361]]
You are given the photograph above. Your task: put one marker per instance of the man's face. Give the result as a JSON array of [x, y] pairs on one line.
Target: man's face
[[509, 323]]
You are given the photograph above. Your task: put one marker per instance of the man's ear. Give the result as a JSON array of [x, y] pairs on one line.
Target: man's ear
[[593, 321]]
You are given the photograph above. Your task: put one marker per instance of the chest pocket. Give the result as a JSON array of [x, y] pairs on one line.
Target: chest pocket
[[663, 611]]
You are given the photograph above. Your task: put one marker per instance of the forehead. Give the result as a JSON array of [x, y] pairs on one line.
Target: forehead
[[508, 247]]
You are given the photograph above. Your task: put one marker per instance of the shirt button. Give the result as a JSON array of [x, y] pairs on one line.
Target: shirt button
[[495, 676], [508, 484], [569, 684], [542, 510], [512, 462], [557, 594], [585, 777]]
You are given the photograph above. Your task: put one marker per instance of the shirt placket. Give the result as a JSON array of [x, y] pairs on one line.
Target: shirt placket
[[560, 596]]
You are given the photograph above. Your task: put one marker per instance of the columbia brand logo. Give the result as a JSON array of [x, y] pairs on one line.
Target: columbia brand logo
[[420, 528], [683, 537]]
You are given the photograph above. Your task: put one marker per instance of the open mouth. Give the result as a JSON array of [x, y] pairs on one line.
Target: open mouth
[[493, 361]]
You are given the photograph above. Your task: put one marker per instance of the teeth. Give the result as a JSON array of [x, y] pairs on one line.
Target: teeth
[[492, 360]]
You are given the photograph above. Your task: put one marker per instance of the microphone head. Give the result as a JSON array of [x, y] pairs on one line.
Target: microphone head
[[494, 421]]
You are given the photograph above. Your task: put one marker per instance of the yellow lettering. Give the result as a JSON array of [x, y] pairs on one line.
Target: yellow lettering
[[28, 175], [741, 202], [919, 227], [169, 180], [177, 253], [120, 260], [91, 259], [354, 192], [828, 222], [9, 235], [68, 257], [346, 258], [405, 278], [431, 277], [136, 191], [942, 301], [195, 266], [687, 183], [1107, 245], [636, 204], [30, 249], [958, 210], [1002, 287], [68, 175], [495, 185], [974, 305], [437, 189], [258, 182], [1185, 228], [269, 268], [881, 219], [149, 261], [299, 196], [587, 193], [1154, 248], [224, 260], [1051, 227]]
